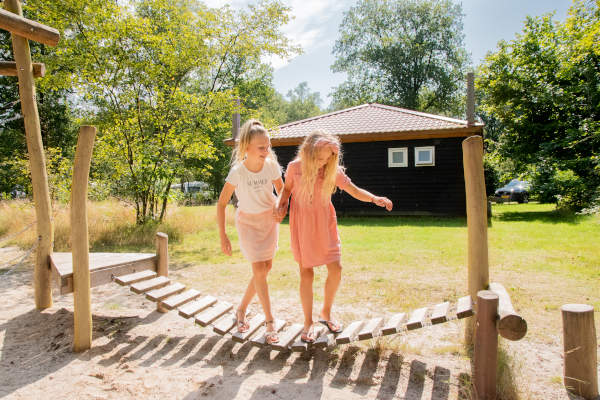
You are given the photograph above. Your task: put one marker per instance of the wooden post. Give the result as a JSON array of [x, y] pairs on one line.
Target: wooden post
[[581, 357], [470, 98], [485, 356], [82, 339], [476, 222], [37, 165], [9, 68], [27, 28], [511, 325], [162, 265]]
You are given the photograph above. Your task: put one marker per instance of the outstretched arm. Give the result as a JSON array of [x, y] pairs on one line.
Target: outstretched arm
[[368, 197], [224, 198]]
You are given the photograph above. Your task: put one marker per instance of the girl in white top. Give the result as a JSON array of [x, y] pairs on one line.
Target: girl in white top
[[253, 174]]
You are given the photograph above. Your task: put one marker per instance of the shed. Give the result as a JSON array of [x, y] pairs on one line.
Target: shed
[[414, 158]]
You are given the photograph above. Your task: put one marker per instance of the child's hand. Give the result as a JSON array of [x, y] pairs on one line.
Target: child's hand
[[383, 202], [225, 245], [279, 211]]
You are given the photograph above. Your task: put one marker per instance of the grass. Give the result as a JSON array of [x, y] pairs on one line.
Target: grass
[[543, 258]]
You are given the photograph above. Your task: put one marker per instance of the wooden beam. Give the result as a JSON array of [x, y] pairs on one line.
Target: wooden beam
[[9, 68], [37, 165], [12, 21], [511, 325], [82, 303], [162, 265], [485, 353]]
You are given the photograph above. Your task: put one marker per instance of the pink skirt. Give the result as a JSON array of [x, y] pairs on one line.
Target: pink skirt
[[258, 235]]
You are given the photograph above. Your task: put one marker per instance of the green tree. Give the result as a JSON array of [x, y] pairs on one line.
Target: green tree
[[408, 53], [157, 78], [544, 89]]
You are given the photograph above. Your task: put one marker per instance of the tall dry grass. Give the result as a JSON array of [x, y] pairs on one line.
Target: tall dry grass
[[111, 225]]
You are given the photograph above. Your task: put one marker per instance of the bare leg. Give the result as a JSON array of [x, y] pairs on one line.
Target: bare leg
[[260, 270], [334, 276], [307, 276], [248, 296]]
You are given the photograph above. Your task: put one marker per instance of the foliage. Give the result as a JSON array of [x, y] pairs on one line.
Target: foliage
[[157, 77], [407, 53], [544, 89]]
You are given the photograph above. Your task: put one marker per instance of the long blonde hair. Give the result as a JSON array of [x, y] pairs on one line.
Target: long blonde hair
[[307, 153], [248, 131]]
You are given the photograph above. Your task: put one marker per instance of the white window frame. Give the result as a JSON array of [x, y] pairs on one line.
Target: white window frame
[[429, 163], [391, 151]]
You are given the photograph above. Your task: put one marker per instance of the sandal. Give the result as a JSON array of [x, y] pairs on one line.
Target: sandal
[[331, 325], [271, 337], [308, 336], [242, 325]]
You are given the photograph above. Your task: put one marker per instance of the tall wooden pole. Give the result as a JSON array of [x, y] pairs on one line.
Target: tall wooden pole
[[581, 350], [485, 355], [162, 266], [82, 339], [476, 221], [37, 165]]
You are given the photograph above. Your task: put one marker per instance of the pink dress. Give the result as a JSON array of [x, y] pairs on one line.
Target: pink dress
[[313, 225]]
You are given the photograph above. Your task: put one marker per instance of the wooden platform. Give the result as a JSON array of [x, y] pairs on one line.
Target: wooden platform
[[103, 267]]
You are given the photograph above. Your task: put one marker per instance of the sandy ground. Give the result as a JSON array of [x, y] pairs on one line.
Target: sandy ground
[[140, 353]]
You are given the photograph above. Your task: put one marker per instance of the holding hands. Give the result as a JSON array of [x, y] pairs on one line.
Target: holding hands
[[280, 210]]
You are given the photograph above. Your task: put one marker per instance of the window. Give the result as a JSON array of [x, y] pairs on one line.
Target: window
[[398, 157], [424, 156]]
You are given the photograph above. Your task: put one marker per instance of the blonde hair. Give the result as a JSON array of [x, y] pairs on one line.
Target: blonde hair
[[248, 131], [308, 153]]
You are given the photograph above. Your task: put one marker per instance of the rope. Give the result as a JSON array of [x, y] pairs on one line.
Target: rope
[[4, 240], [12, 268]]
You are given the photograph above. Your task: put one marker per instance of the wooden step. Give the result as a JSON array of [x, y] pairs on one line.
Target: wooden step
[[464, 307], [254, 324], [180, 299], [371, 329], [286, 338], [226, 323], [210, 314], [417, 319], [164, 292], [440, 313], [259, 339], [394, 324], [155, 283], [190, 309], [349, 334], [326, 339], [129, 279], [301, 346]]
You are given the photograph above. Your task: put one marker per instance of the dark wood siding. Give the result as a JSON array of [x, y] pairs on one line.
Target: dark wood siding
[[437, 190]]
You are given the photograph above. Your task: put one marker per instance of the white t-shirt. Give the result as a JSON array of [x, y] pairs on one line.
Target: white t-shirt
[[254, 190]]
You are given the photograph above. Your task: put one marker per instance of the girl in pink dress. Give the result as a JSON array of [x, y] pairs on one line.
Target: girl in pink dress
[[253, 174], [311, 179]]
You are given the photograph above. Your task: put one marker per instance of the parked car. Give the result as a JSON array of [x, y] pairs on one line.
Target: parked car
[[515, 190]]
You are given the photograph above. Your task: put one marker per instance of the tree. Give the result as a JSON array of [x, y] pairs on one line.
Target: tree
[[544, 89], [408, 53], [158, 79]]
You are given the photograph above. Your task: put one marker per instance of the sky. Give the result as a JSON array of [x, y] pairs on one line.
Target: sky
[[316, 22]]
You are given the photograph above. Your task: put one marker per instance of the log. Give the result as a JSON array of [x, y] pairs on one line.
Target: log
[[162, 265], [37, 163], [485, 355], [82, 303], [26, 28], [581, 350], [478, 268], [511, 325], [9, 68]]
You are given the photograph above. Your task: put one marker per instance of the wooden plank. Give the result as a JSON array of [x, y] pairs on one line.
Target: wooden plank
[[325, 340], [180, 299], [254, 324], [63, 263], [259, 339], [164, 292], [464, 307], [287, 337], [29, 29], [349, 334], [440, 313], [393, 325], [225, 323], [9, 68], [417, 319], [129, 279], [210, 314], [371, 329], [301, 346], [145, 286], [190, 309]]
